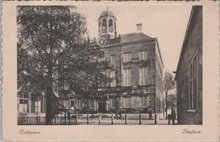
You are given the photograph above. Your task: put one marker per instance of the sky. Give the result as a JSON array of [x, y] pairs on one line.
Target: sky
[[167, 22]]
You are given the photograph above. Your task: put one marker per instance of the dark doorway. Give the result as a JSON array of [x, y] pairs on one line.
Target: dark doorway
[[102, 107]]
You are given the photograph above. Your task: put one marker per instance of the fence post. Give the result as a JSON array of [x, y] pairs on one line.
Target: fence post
[[99, 119], [87, 118], [36, 120], [112, 118], [126, 119], [65, 117], [140, 119], [76, 119], [155, 119], [27, 119]]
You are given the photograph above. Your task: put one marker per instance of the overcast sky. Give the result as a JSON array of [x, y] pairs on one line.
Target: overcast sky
[[166, 22]]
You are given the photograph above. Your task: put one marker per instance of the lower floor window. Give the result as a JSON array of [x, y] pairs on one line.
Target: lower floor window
[[22, 107], [113, 102], [37, 106]]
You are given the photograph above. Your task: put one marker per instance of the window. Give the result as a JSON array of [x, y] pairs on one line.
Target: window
[[112, 76], [111, 59], [91, 104], [126, 57], [127, 102], [72, 103], [193, 82], [126, 77], [110, 24], [142, 76], [113, 102], [104, 23], [37, 106], [78, 104], [23, 101], [142, 55]]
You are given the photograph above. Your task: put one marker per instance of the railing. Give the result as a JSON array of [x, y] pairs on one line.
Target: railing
[[92, 119]]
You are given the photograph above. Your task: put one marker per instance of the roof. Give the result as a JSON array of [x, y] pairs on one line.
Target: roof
[[107, 13], [194, 11], [132, 37]]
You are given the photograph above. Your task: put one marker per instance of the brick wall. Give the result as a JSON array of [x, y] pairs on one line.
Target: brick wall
[[192, 44]]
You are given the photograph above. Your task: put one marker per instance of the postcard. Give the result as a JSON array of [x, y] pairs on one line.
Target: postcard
[[110, 71]]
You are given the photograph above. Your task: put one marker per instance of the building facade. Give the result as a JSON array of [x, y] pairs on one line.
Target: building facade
[[135, 68], [189, 72]]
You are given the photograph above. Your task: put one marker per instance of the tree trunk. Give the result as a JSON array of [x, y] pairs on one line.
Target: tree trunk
[[49, 111], [49, 114]]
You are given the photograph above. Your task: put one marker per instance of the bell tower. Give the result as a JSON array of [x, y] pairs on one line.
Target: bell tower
[[106, 26]]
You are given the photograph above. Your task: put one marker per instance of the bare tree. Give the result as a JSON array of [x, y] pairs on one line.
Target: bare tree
[[168, 85]]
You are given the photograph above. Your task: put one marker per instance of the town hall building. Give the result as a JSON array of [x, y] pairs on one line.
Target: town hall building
[[135, 68]]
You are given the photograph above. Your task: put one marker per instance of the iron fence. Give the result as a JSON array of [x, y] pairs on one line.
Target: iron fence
[[92, 119]]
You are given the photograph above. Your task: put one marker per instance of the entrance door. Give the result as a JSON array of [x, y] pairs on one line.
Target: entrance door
[[102, 107]]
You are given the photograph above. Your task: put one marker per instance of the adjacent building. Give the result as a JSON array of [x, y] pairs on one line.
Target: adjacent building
[[189, 72]]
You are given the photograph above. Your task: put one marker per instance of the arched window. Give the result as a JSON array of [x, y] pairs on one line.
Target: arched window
[[110, 25], [99, 23], [104, 23]]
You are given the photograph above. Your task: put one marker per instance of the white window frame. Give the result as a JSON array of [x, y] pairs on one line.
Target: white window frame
[[113, 103], [23, 103], [37, 106], [127, 57], [126, 77], [113, 82], [192, 77], [142, 55], [142, 76]]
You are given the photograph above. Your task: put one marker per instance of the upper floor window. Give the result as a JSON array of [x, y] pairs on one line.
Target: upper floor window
[[108, 75], [111, 58], [193, 82], [126, 57], [142, 55], [142, 76], [126, 77], [113, 82], [104, 23]]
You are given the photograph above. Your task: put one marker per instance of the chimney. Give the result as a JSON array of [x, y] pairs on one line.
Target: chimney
[[139, 27]]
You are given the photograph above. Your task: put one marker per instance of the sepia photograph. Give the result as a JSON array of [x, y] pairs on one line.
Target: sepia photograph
[[77, 67], [110, 71]]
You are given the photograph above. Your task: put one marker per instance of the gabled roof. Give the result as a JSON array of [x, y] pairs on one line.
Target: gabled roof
[[194, 11], [132, 37]]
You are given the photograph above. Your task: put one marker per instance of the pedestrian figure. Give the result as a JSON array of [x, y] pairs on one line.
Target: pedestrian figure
[[68, 115], [120, 114], [173, 115], [169, 115]]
